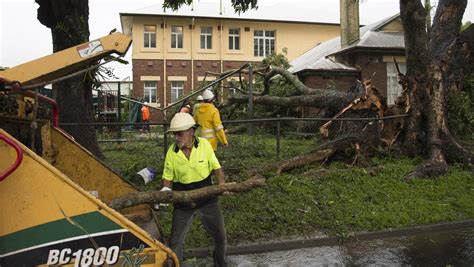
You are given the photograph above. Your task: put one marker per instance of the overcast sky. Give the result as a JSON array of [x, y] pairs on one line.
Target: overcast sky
[[24, 38]]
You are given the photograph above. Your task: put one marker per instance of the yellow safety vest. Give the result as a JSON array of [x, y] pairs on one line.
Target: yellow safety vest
[[211, 128], [198, 167]]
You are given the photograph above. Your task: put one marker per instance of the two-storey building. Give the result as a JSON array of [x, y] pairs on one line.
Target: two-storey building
[[173, 50]]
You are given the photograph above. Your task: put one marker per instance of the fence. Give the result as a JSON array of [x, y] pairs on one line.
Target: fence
[[276, 127]]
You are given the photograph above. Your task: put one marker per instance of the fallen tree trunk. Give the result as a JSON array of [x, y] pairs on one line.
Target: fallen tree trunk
[[321, 153], [309, 158], [152, 197]]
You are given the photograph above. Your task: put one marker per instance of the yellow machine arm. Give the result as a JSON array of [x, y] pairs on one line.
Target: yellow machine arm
[[69, 60]]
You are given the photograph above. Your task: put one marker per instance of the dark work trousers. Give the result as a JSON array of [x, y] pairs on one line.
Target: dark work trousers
[[213, 222], [146, 127]]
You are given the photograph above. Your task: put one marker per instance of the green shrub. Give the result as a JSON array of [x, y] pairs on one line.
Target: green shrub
[[461, 110]]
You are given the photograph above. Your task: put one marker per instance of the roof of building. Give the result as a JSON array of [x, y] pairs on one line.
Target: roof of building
[[318, 58], [300, 12], [295, 12]]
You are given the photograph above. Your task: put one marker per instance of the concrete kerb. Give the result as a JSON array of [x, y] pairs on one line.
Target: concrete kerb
[[329, 241]]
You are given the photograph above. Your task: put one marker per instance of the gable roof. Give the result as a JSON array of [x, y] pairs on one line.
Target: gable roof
[[318, 58]]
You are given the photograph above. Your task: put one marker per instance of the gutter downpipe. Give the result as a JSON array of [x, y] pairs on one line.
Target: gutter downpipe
[[164, 63], [192, 54], [221, 55]]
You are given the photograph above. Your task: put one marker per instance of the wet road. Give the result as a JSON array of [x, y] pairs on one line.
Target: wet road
[[442, 248]]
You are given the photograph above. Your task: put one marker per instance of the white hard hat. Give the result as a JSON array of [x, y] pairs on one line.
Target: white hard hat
[[207, 95], [146, 103], [199, 98], [181, 122]]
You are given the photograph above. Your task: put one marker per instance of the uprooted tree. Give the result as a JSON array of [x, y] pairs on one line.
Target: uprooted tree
[[439, 58]]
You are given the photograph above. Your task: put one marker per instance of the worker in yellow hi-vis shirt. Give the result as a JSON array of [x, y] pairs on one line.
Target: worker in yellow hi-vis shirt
[[209, 120], [189, 164]]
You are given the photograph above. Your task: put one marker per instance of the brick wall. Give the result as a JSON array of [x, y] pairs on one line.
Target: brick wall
[[177, 68], [370, 63], [145, 67], [203, 66], [148, 67], [340, 82], [327, 81]]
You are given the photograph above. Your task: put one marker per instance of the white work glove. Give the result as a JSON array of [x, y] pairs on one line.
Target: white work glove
[[157, 205]]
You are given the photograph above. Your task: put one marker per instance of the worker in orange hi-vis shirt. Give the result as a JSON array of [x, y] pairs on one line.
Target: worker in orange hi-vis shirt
[[146, 117], [209, 120]]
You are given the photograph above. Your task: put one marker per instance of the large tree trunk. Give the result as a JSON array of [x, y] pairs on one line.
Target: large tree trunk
[[69, 24], [437, 61]]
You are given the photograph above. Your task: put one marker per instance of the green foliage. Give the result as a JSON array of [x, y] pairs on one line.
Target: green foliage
[[465, 25], [279, 85], [244, 5], [461, 110], [175, 4], [338, 202], [279, 60], [238, 5]]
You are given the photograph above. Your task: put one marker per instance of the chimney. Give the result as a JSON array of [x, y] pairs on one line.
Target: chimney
[[349, 22]]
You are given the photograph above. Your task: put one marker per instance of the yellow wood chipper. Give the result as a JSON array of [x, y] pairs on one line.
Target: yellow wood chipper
[[53, 207]]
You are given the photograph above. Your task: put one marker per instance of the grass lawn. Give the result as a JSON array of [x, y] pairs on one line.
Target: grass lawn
[[338, 202]]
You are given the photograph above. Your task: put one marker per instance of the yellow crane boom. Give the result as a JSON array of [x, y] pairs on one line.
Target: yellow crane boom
[[68, 61]]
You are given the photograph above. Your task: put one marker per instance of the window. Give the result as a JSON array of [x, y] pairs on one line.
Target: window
[[149, 92], [263, 43], [393, 88], [149, 36], [234, 39], [177, 90], [176, 36], [206, 37]]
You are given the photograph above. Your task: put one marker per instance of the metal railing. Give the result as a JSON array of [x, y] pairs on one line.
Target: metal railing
[[116, 130]]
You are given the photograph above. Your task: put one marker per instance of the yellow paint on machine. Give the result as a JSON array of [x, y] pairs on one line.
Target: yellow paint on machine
[[68, 60], [37, 193], [92, 174]]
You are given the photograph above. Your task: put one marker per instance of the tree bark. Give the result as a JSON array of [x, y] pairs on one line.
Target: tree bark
[[435, 65], [151, 197], [68, 21], [330, 100]]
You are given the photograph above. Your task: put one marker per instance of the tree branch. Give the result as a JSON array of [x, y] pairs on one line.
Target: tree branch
[[446, 25], [412, 14], [138, 198]]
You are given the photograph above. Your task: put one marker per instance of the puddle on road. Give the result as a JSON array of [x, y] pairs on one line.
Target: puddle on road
[[442, 248]]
